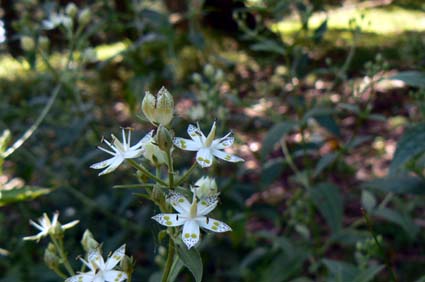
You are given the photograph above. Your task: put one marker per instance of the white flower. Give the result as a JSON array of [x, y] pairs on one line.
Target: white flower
[[205, 187], [206, 147], [191, 216], [121, 151], [57, 19], [47, 227], [101, 271]]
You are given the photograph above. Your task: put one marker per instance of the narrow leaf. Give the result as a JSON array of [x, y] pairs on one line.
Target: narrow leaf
[[192, 260]]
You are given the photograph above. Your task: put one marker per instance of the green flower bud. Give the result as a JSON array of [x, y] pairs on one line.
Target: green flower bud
[[4, 140], [197, 77], [43, 42], [205, 187], [50, 257], [27, 43], [84, 17], [71, 10], [57, 231], [158, 110], [208, 70], [219, 75], [164, 138], [88, 242], [127, 265], [154, 154]]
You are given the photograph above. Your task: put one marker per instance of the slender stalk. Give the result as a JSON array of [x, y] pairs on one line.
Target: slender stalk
[[186, 175], [61, 252], [169, 262], [170, 170], [59, 273], [378, 244], [33, 127], [143, 170]]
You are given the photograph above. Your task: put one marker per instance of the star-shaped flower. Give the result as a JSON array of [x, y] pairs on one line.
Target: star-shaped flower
[[206, 147], [101, 271], [121, 151], [191, 216], [47, 227]]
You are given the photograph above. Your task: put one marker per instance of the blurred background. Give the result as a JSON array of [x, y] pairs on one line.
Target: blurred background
[[325, 98]]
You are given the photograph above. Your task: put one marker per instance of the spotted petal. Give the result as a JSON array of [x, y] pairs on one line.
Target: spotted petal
[[179, 202], [143, 141], [170, 219], [207, 205], [223, 142], [190, 234], [212, 224], [204, 157], [195, 133], [96, 260], [226, 157], [114, 276], [115, 258], [186, 144], [83, 277]]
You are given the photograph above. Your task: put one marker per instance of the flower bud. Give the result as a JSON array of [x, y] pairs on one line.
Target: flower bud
[[205, 187], [164, 138], [127, 265], [50, 257], [43, 42], [4, 140], [219, 75], [88, 242], [154, 154], [57, 230], [160, 109], [71, 10], [197, 78], [208, 70], [84, 17], [27, 43]]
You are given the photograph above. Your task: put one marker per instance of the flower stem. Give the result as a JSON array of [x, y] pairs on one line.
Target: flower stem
[[169, 262], [170, 170], [186, 175], [59, 248], [143, 170]]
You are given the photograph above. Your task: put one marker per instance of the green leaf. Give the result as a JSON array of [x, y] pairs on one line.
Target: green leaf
[[176, 267], [324, 162], [291, 263], [328, 200], [271, 171], [410, 145], [411, 78], [192, 260], [402, 220], [268, 46], [274, 135], [400, 184], [21, 194], [368, 274], [345, 272], [320, 31]]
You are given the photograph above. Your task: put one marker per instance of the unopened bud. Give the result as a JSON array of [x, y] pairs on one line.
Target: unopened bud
[[71, 10], [43, 42], [205, 187], [57, 230], [27, 43], [84, 17], [154, 154], [127, 265], [164, 139], [4, 140], [219, 75], [197, 77], [50, 257], [88, 242], [159, 109], [208, 70]]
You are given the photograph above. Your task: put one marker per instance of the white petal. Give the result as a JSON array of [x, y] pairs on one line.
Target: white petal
[[96, 260], [195, 133], [186, 144], [115, 258], [212, 224], [132, 153], [103, 164], [224, 142], [170, 219], [114, 276], [117, 161], [205, 206], [70, 224], [84, 277], [179, 202], [204, 157], [226, 157], [143, 141], [36, 237], [190, 234]]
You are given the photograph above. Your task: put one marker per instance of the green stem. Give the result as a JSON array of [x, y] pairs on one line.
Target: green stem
[[59, 248], [170, 170], [33, 127], [143, 170], [169, 262], [378, 244], [59, 273], [187, 174]]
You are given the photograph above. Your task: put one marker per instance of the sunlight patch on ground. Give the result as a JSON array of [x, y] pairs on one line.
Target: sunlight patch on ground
[[390, 20]]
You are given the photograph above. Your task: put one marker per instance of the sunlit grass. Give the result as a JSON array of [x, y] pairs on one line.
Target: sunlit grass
[[385, 21]]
